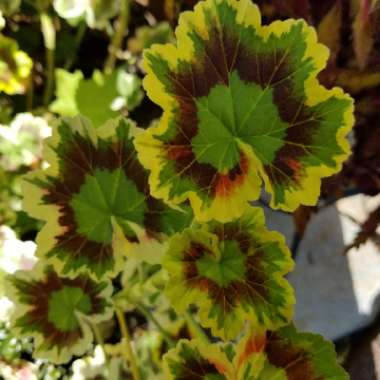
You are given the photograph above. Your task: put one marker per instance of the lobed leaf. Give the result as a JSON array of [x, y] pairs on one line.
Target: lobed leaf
[[282, 355], [291, 355], [197, 360], [95, 200], [242, 106], [56, 311], [233, 272]]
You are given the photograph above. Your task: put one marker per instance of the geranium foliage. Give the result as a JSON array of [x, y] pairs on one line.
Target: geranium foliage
[[241, 105], [233, 273], [149, 235], [57, 311], [282, 355], [95, 199], [197, 360], [291, 355]]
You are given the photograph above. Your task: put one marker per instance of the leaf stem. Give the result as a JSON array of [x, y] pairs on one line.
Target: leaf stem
[[30, 93], [127, 347], [117, 40], [148, 315], [195, 328], [78, 40]]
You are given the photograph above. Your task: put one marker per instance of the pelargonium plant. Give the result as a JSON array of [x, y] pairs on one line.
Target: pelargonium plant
[[160, 220]]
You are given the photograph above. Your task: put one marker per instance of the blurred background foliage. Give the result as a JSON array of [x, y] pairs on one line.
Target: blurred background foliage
[[63, 57]]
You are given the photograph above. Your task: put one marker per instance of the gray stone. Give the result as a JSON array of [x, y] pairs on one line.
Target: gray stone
[[336, 294]]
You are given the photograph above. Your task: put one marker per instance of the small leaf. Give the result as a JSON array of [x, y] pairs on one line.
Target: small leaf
[[95, 200], [146, 36], [15, 67], [291, 355], [233, 272], [329, 30], [241, 105], [56, 311], [91, 98]]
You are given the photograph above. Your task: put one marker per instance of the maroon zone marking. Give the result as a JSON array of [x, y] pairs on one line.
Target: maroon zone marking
[[252, 288], [38, 294], [222, 54]]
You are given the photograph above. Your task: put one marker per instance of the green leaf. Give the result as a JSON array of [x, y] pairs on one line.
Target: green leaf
[[56, 311], [91, 98], [99, 98], [197, 360], [242, 106], [291, 355], [95, 200], [233, 272], [15, 67], [192, 360]]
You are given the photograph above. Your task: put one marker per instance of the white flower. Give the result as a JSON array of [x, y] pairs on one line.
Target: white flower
[[89, 367], [71, 9], [15, 254], [21, 141]]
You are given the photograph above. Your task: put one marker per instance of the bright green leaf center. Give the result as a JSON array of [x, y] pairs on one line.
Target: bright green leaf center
[[103, 196], [63, 305], [238, 113], [229, 267]]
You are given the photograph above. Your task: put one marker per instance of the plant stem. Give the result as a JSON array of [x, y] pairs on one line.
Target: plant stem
[[194, 326], [48, 32], [78, 40], [98, 337], [30, 93], [49, 76], [117, 40], [127, 347], [148, 315]]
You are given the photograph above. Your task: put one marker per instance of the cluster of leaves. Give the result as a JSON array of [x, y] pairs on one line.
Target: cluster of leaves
[[157, 224]]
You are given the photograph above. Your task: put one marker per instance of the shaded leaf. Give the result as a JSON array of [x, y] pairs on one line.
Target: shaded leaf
[[329, 30], [146, 36], [291, 355], [363, 38]]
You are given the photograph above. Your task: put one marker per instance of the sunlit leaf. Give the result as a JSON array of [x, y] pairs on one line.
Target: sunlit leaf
[[15, 67], [56, 311], [241, 105], [291, 355], [233, 272], [95, 200], [99, 98], [91, 98]]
